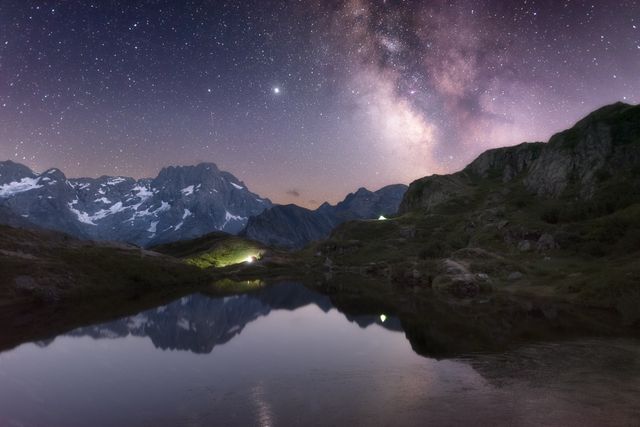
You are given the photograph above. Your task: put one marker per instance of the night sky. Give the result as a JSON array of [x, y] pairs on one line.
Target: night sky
[[303, 100]]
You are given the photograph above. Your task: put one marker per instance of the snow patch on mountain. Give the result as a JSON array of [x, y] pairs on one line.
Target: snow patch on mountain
[[116, 180], [184, 324], [153, 227], [82, 216], [115, 208], [164, 206], [25, 184], [185, 215], [142, 192], [187, 191], [228, 217]]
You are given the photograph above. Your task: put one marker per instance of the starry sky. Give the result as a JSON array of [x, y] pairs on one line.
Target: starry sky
[[303, 100]]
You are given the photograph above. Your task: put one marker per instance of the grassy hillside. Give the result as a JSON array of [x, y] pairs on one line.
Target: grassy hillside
[[49, 266], [559, 220], [214, 250]]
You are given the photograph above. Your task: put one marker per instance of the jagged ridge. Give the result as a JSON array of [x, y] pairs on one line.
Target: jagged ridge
[[180, 203]]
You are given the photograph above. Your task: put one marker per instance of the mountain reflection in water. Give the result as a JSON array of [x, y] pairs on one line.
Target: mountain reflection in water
[[199, 323], [285, 355]]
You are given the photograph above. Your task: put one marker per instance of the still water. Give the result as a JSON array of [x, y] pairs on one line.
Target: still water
[[285, 356]]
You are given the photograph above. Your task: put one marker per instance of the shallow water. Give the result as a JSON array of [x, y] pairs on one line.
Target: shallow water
[[286, 356]]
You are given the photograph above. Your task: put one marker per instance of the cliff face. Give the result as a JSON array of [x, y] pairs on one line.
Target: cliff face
[[605, 143], [579, 163], [506, 163]]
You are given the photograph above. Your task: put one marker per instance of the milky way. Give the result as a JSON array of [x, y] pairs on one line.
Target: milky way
[[303, 100]]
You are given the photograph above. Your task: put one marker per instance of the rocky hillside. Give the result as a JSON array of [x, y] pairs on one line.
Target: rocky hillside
[[293, 227], [180, 203], [594, 162], [557, 219]]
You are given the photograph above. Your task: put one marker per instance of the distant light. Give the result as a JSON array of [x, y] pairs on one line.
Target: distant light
[[276, 90], [383, 318], [382, 218], [249, 259]]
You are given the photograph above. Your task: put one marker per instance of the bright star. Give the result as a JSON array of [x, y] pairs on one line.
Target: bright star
[[276, 90]]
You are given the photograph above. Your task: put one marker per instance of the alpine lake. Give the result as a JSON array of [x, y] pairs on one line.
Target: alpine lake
[[288, 354]]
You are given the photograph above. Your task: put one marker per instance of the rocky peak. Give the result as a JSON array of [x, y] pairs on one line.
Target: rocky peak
[[11, 171], [605, 142], [608, 112], [506, 162], [202, 171]]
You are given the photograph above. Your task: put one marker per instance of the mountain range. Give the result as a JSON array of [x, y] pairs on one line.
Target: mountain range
[[293, 227], [182, 202]]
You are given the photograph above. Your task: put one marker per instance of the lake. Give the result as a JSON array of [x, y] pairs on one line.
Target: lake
[[284, 355]]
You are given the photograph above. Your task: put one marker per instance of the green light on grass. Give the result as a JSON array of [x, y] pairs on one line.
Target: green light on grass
[[230, 253]]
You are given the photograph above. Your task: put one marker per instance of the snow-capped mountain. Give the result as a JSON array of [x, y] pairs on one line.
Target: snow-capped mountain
[[180, 203]]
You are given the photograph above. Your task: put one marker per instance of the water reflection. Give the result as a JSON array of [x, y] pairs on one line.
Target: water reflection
[[284, 355], [199, 323]]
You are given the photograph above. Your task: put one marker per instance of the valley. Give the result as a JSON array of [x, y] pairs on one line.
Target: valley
[[527, 226]]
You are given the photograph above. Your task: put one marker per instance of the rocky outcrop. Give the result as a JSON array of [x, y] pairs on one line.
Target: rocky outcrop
[[604, 142], [573, 164], [430, 192], [507, 162]]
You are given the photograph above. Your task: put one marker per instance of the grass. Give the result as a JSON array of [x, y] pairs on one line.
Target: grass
[[52, 267], [107, 269], [228, 253], [215, 250]]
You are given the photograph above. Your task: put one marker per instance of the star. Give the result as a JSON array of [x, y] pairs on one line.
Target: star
[[415, 86]]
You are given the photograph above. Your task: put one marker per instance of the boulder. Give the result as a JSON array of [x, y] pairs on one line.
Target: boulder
[[524, 246], [515, 275], [546, 242]]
